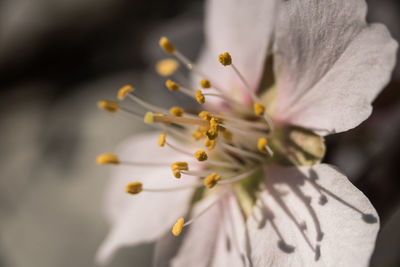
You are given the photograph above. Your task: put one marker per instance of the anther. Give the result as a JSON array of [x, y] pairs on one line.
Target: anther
[[210, 144], [259, 109], [124, 91], [197, 135], [134, 188], [177, 167], [205, 84], [166, 45], [205, 115], [176, 111], [177, 229], [211, 180], [200, 97], [262, 144], [161, 139], [107, 158], [225, 59], [167, 67], [109, 106], [201, 155], [212, 133], [171, 85]]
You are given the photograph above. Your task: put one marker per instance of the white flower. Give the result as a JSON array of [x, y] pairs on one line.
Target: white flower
[[272, 202]]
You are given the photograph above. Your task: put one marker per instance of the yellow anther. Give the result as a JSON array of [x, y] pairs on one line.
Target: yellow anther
[[201, 155], [149, 117], [124, 91], [177, 229], [171, 85], [225, 59], [109, 106], [212, 133], [212, 180], [167, 67], [177, 173], [134, 188], [161, 139], [176, 111], [200, 97], [210, 144], [107, 158], [205, 84], [197, 135], [179, 166], [259, 109], [261, 144], [205, 115], [203, 129], [166, 45]]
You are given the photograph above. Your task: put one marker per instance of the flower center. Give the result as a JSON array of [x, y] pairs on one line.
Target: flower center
[[228, 150]]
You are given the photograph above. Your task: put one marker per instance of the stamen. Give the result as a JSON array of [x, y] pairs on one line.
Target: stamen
[[177, 229], [107, 158], [212, 133], [176, 111], [161, 139], [167, 67], [151, 117], [134, 188], [124, 91], [172, 86], [206, 209], [200, 97], [205, 84], [262, 144], [179, 166], [212, 180], [210, 144], [201, 155], [166, 45], [197, 135], [205, 115], [225, 59], [109, 106], [259, 109]]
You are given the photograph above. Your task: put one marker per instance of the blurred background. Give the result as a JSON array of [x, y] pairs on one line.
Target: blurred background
[[58, 57]]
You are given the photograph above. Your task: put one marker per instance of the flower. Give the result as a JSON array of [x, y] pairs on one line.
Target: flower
[[250, 189]]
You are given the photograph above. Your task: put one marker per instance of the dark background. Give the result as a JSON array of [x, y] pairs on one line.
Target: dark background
[[58, 57]]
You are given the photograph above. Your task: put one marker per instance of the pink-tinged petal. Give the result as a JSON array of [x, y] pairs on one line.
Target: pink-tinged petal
[[330, 64], [243, 30], [148, 215], [311, 216]]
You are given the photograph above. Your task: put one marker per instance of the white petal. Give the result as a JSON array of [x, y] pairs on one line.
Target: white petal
[[323, 220], [330, 64], [214, 239], [148, 215], [243, 30]]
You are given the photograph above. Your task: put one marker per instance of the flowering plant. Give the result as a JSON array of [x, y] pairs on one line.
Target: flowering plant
[[250, 185]]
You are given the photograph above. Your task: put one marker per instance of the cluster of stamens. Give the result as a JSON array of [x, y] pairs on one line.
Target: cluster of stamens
[[237, 146]]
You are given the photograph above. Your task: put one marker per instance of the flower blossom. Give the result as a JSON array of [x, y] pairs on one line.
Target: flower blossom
[[242, 183]]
